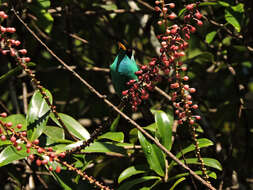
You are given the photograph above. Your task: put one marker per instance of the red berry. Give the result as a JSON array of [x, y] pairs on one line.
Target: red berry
[[191, 121], [172, 16], [124, 93], [28, 150], [186, 78], [198, 117], [31, 157], [28, 145], [18, 148], [172, 5], [50, 168], [192, 90], [36, 141], [38, 162], [190, 6], [165, 9], [157, 8], [62, 154], [44, 162], [9, 124], [3, 137], [40, 150], [198, 15], [157, 2], [3, 115], [58, 169], [199, 23], [195, 106], [186, 87], [13, 139], [19, 126], [23, 51], [24, 133]]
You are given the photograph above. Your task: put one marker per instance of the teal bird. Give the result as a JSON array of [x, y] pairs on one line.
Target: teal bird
[[123, 69]]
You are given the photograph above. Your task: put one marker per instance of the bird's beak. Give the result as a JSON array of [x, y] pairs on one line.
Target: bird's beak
[[121, 46]]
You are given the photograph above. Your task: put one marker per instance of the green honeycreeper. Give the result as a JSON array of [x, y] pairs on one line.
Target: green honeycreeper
[[123, 69]]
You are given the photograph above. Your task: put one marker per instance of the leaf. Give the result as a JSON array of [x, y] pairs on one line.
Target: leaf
[[130, 184], [132, 170], [210, 36], [13, 72], [164, 125], [10, 154], [44, 3], [238, 8], [60, 181], [177, 182], [73, 126], [103, 147], [207, 162], [54, 133], [37, 115], [209, 173], [202, 143], [223, 3], [16, 119], [231, 19], [115, 123], [155, 157], [114, 136]]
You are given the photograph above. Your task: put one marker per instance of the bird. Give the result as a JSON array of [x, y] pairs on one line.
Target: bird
[[123, 69]]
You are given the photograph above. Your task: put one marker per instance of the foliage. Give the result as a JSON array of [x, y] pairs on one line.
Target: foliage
[[85, 34]]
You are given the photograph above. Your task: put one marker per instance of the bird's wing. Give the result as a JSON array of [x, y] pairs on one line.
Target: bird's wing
[[128, 68]]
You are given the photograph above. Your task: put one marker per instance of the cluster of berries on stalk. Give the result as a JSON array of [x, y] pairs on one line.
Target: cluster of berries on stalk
[[18, 138], [173, 44], [15, 134]]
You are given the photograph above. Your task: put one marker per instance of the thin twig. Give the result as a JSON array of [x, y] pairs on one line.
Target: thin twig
[[103, 97]]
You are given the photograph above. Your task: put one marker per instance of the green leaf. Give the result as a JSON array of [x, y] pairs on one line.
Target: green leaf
[[238, 8], [207, 162], [155, 157], [60, 181], [223, 3], [130, 184], [202, 143], [73, 126], [115, 123], [177, 182], [210, 36], [114, 136], [44, 3], [13, 72], [231, 19], [54, 133], [37, 115], [164, 125], [16, 119], [10, 154], [131, 171], [103, 147]]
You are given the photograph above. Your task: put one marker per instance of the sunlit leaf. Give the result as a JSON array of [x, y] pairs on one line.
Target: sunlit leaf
[[131, 171]]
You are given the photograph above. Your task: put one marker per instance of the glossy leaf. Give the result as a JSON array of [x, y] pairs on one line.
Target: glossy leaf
[[210, 36], [209, 173], [177, 182], [114, 136], [115, 123], [131, 171], [164, 125], [207, 161], [73, 126], [10, 154], [60, 181], [53, 132], [132, 183], [103, 147], [154, 156], [37, 115], [231, 19], [202, 143]]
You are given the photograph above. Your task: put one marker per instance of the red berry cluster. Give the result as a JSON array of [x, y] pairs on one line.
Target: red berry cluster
[[173, 43], [17, 138]]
